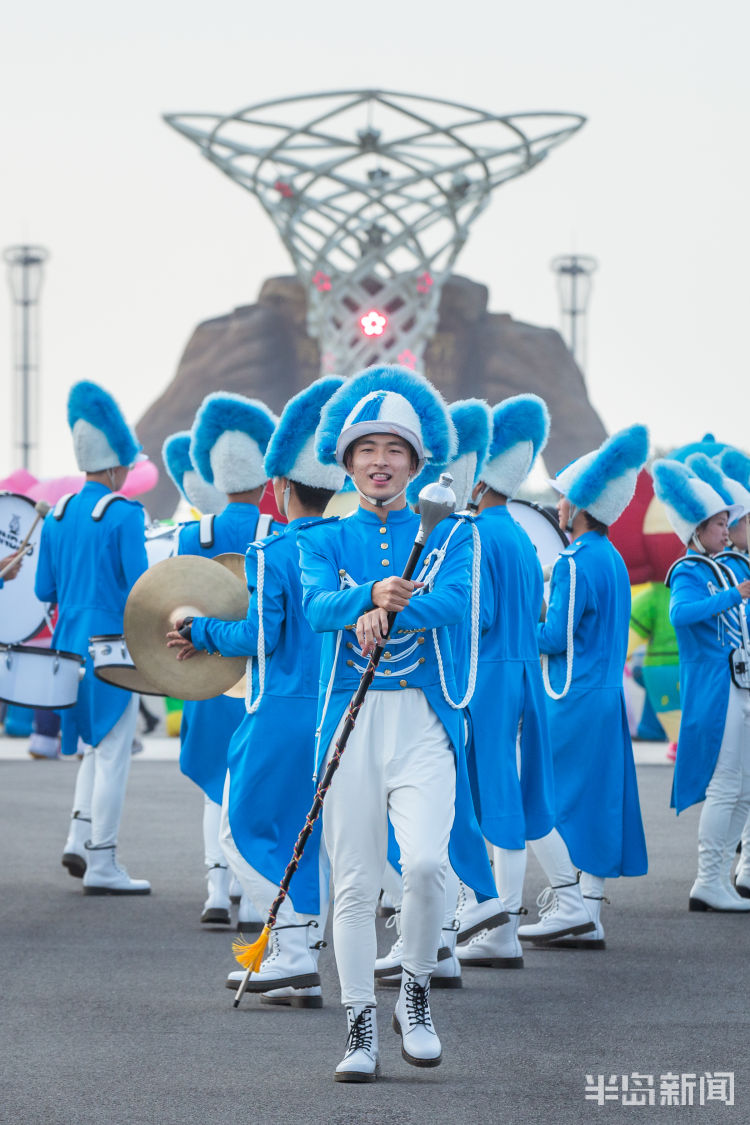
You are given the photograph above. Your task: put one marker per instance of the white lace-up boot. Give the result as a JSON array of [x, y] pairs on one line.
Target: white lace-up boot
[[74, 852], [291, 961], [447, 972], [294, 997], [105, 876], [389, 966], [594, 939], [473, 916], [249, 920], [412, 1020], [496, 948], [235, 890], [360, 1061], [562, 913], [216, 906]]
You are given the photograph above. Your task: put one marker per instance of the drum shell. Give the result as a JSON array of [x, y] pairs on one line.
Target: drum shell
[[43, 678], [161, 543], [543, 531], [114, 665]]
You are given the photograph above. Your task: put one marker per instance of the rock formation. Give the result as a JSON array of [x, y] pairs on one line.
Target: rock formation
[[263, 351]]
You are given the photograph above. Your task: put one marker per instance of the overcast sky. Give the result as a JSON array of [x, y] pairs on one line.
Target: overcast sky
[[147, 238]]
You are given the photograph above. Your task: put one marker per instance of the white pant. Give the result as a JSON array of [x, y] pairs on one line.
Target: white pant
[[554, 857], [212, 848], [398, 761], [727, 802], [260, 890], [103, 777]]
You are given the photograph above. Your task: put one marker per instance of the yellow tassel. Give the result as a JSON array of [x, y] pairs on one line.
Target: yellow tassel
[[250, 955]]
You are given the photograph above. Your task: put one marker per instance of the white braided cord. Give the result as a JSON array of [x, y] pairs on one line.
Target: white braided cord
[[251, 706], [569, 642], [474, 650]]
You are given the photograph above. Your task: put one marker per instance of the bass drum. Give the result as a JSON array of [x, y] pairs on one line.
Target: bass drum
[[43, 678], [114, 665], [544, 532], [22, 615]]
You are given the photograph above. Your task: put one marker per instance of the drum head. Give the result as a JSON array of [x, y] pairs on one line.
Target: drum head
[[542, 529], [22, 615]]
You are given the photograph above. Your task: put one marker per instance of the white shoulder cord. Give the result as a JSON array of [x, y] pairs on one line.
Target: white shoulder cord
[[251, 706], [569, 642], [476, 567], [345, 582]]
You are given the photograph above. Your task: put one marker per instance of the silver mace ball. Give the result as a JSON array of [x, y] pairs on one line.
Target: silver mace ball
[[436, 502]]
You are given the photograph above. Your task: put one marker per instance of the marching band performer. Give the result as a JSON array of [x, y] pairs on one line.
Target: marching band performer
[[229, 438], [472, 420], [187, 480], [405, 757], [713, 751], [736, 466], [271, 753], [583, 643], [513, 789], [91, 552]]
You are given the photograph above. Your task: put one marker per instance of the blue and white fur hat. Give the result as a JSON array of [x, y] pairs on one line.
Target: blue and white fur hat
[[102, 439], [176, 457], [291, 450], [520, 428], [387, 400], [736, 465], [603, 482], [229, 439], [730, 490], [472, 419], [688, 499]]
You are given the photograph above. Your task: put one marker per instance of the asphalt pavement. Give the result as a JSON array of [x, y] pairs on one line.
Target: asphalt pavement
[[113, 1011]]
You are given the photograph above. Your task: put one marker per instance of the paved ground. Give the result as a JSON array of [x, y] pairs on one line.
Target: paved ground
[[113, 1011]]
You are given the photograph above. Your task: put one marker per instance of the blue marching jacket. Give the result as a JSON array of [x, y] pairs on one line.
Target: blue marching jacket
[[208, 724], [596, 792], [271, 753], [88, 566], [341, 562], [509, 689], [707, 629]]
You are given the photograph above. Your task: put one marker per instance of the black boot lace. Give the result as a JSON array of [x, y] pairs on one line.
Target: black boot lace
[[360, 1033], [417, 1000]]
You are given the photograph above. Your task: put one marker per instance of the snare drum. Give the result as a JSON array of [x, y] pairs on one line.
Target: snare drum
[[39, 677], [542, 529], [161, 542], [22, 615], [114, 665]]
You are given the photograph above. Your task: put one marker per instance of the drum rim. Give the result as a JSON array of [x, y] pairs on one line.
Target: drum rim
[[39, 706], [109, 637], [17, 496], [18, 646], [542, 512]]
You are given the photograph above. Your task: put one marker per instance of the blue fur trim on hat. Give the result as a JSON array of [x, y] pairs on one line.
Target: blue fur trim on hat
[[437, 432], [708, 445], [298, 422], [623, 452], [736, 465], [175, 453], [91, 403], [707, 470], [223, 411], [473, 419], [520, 418], [672, 487]]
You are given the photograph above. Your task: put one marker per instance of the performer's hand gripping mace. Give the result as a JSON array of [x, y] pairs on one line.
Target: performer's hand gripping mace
[[41, 508], [436, 502]]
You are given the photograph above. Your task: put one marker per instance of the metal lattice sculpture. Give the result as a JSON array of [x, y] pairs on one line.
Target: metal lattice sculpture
[[373, 194]]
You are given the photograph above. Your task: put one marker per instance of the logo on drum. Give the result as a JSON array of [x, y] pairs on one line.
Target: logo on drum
[[15, 525]]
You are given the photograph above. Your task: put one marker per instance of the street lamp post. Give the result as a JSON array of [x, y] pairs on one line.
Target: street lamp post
[[574, 286], [25, 270]]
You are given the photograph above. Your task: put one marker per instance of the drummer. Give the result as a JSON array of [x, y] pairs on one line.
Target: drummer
[[90, 553], [228, 442], [269, 789]]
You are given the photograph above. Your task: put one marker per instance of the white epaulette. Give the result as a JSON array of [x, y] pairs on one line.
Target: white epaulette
[[263, 526], [101, 505], [206, 531], [725, 576], [61, 505]]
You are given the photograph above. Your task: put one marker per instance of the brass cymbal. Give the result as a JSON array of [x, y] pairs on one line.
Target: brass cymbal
[[183, 586], [235, 564], [238, 690]]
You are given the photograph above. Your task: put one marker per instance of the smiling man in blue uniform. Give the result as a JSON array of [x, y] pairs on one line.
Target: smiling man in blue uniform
[[583, 642], [91, 552], [405, 758], [269, 788]]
